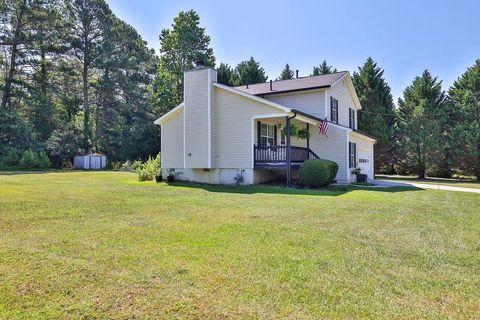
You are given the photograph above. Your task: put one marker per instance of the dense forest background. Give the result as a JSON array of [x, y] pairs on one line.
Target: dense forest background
[[75, 78]]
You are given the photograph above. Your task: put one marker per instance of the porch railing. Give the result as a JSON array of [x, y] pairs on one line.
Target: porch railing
[[278, 154]]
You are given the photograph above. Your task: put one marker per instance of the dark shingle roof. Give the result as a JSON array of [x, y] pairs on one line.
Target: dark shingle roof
[[303, 83]]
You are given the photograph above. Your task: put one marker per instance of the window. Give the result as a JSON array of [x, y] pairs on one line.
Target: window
[[351, 114], [333, 110], [267, 134], [352, 151], [283, 137]]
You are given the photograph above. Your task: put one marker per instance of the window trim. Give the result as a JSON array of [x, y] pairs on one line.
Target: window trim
[[352, 155], [333, 107], [270, 129], [351, 118]]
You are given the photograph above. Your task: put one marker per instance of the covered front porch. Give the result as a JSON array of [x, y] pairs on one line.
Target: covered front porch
[[283, 143]]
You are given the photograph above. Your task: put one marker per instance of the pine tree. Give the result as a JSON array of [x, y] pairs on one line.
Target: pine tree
[[378, 112], [48, 46], [123, 118], [13, 21], [225, 74], [286, 74], [89, 21], [420, 123], [465, 97], [249, 72], [181, 47], [323, 68]]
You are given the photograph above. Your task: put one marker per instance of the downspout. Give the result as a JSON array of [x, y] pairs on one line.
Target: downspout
[[289, 160], [308, 137]]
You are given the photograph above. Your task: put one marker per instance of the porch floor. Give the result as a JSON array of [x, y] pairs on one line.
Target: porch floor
[[277, 165]]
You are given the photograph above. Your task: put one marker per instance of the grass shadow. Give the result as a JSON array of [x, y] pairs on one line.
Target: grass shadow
[[430, 180], [276, 189], [20, 172]]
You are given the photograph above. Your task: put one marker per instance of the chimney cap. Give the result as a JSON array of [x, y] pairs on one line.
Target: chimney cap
[[199, 64]]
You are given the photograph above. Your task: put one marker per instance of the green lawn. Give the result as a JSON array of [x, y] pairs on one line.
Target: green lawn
[[101, 245], [464, 183]]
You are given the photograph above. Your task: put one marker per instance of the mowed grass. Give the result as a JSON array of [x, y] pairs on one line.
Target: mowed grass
[[101, 245], [463, 183]]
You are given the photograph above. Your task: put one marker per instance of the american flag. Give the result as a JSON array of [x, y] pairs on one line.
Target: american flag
[[323, 127]]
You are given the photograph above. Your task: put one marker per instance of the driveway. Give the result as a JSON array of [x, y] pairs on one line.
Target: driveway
[[389, 183]]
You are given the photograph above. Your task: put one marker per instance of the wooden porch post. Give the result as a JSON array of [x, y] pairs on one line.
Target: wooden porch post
[[289, 162]]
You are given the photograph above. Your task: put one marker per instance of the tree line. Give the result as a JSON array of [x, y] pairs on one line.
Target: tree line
[[75, 78]]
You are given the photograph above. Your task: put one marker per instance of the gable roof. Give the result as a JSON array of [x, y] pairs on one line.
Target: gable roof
[[169, 113], [297, 84], [237, 90], [253, 97]]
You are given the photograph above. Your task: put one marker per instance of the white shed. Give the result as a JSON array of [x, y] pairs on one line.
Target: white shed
[[91, 161]]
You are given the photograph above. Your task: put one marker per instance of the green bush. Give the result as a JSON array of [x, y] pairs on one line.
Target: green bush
[[317, 173], [333, 170], [144, 175], [62, 146], [34, 160], [132, 165], [148, 170]]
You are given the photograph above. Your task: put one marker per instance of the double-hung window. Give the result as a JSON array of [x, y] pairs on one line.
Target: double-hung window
[[333, 110], [267, 134], [351, 114], [352, 155]]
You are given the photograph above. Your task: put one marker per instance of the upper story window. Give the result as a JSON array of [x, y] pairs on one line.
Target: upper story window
[[333, 110], [351, 121]]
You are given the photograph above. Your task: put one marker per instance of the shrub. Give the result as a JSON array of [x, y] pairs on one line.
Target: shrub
[[32, 160], [43, 162], [63, 145], [333, 170], [15, 137], [172, 175], [132, 165], [144, 175], [317, 173], [148, 170]]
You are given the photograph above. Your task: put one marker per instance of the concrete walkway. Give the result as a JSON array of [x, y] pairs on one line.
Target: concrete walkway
[[389, 183]]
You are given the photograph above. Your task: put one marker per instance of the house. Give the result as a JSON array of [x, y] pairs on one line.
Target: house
[[219, 134]]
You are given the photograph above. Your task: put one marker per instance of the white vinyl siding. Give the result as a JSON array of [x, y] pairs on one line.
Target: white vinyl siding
[[311, 101], [341, 92], [172, 141], [334, 148], [196, 119], [233, 128], [364, 148]]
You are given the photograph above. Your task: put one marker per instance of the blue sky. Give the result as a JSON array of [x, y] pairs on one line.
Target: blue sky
[[404, 37]]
